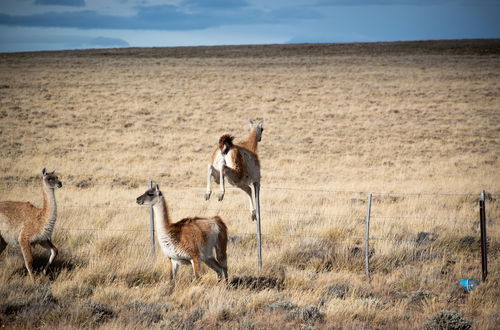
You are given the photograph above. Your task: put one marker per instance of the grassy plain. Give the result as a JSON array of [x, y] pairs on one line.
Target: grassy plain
[[416, 123]]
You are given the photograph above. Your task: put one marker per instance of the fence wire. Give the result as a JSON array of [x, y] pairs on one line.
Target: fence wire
[[263, 188], [357, 214], [300, 234]]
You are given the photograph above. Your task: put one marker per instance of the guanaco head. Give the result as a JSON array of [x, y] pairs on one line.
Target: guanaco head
[[51, 180], [150, 197], [258, 126]]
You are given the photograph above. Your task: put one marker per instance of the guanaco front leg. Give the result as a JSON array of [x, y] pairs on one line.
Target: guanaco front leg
[[53, 253], [174, 267], [195, 262], [27, 254]]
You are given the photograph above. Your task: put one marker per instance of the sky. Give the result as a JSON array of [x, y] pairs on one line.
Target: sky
[[32, 25]]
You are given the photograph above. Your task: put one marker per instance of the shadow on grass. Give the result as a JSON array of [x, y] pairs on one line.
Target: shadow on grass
[[61, 262], [22, 306], [256, 283]]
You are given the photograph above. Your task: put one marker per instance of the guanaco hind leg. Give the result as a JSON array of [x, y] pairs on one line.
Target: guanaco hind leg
[[212, 263]]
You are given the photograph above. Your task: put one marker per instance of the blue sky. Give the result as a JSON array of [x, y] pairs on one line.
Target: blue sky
[[27, 25]]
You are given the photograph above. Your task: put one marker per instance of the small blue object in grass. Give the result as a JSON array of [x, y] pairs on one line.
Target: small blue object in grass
[[469, 284]]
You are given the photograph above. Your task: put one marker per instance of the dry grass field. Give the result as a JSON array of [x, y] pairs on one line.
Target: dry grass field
[[416, 123]]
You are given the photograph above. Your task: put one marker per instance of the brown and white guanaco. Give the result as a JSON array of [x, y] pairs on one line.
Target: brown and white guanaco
[[239, 163], [189, 240], [23, 224]]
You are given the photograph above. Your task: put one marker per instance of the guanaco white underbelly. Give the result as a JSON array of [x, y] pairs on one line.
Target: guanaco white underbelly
[[172, 251]]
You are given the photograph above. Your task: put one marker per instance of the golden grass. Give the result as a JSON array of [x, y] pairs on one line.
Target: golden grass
[[416, 123]]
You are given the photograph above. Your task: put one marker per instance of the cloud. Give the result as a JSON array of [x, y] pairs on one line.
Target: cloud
[[295, 13], [187, 15], [403, 2], [162, 17], [366, 2], [150, 18], [70, 3], [216, 4]]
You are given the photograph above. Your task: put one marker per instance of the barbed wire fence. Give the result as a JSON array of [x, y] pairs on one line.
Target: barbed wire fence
[[369, 219]]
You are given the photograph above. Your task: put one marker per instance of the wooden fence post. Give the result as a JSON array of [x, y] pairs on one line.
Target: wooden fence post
[[484, 246], [259, 233], [152, 224], [367, 237], [259, 245]]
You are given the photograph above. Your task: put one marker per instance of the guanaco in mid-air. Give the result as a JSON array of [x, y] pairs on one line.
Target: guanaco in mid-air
[[24, 224], [239, 163], [189, 240]]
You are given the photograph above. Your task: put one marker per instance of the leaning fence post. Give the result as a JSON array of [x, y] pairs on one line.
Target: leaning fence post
[[367, 237], [484, 246], [152, 224]]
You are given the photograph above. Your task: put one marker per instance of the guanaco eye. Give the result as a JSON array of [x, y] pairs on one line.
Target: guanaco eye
[[151, 194]]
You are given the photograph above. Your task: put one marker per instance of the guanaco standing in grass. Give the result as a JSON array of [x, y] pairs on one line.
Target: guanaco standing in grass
[[24, 224], [238, 162], [189, 240]]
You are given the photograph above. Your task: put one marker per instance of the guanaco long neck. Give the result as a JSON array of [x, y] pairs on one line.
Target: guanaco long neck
[[162, 218], [49, 211], [167, 238], [251, 142]]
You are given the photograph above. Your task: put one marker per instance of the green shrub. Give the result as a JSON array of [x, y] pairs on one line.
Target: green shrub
[[447, 320]]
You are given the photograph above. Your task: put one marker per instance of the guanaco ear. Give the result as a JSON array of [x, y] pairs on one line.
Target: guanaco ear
[[250, 122], [54, 171], [44, 172], [157, 189]]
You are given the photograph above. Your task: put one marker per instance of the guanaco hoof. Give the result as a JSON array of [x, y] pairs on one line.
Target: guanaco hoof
[[254, 216]]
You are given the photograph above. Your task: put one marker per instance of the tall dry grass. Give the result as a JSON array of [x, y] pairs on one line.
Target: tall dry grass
[[417, 124]]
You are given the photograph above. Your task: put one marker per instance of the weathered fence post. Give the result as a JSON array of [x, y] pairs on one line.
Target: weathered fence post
[[259, 244], [259, 233], [484, 246], [152, 224], [367, 237]]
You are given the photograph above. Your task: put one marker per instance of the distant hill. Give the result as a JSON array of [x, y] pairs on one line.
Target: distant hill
[[459, 47]]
